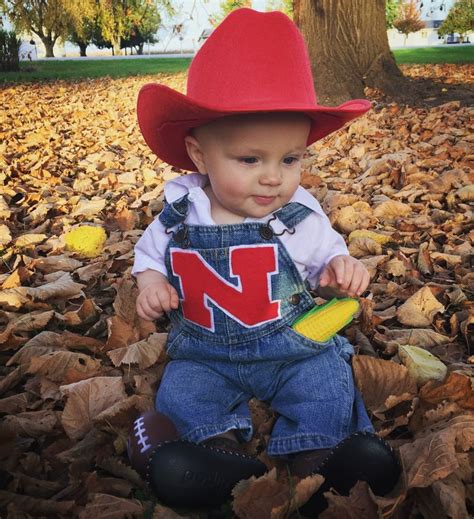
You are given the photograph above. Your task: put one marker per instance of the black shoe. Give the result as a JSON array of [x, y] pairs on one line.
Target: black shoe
[[184, 474], [362, 456]]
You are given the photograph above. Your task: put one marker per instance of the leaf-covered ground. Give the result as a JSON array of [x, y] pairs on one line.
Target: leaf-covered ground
[[78, 365]]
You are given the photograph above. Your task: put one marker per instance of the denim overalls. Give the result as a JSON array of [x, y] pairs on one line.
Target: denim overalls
[[231, 339]]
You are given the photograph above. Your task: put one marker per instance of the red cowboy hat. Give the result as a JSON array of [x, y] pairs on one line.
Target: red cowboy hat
[[252, 62]]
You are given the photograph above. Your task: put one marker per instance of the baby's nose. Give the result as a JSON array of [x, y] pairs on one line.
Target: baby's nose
[[271, 176]]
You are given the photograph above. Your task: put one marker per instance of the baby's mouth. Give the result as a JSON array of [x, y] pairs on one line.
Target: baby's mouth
[[264, 200]]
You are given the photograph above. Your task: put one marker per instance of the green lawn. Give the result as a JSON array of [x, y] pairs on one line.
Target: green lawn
[[82, 69], [460, 53]]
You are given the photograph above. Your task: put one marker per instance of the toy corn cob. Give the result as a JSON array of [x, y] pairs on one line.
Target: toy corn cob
[[323, 322]]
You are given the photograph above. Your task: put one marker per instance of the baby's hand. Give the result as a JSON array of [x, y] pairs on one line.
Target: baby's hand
[[345, 274], [155, 299]]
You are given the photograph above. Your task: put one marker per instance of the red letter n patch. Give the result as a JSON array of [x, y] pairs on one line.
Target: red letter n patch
[[248, 302]]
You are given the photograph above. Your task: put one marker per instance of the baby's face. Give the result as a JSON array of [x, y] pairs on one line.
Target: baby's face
[[253, 163]]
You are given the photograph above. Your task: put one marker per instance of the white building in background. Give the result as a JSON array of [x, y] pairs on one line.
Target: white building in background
[[433, 13]]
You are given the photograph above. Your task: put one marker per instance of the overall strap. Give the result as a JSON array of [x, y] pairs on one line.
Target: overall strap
[[292, 214], [175, 213]]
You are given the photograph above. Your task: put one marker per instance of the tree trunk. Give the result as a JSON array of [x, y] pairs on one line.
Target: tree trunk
[[116, 50], [348, 48], [140, 48], [49, 46], [82, 48]]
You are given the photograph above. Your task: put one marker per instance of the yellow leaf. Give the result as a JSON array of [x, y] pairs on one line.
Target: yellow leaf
[[421, 364], [364, 233], [86, 240]]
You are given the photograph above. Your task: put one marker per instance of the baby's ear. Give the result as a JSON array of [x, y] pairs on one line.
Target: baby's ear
[[196, 154]]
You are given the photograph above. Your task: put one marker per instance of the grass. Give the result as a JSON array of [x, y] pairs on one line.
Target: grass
[[72, 70], [460, 53]]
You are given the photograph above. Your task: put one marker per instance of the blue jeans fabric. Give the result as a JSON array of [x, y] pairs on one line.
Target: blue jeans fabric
[[212, 375]]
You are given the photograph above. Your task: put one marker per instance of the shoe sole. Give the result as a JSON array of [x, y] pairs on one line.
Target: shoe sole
[[363, 456], [184, 474]]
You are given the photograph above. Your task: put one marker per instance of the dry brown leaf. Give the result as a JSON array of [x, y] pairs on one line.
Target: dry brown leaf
[[27, 240], [349, 219], [267, 497], [33, 423], [54, 263], [45, 507], [119, 469], [89, 208], [5, 234], [40, 344], [357, 505], [360, 247], [455, 388], [424, 263], [392, 209], [420, 308], [86, 315], [121, 415], [86, 400], [433, 456], [379, 379], [422, 337], [62, 288], [445, 498], [144, 353], [124, 304], [64, 366], [111, 507], [396, 267], [15, 404], [120, 333]]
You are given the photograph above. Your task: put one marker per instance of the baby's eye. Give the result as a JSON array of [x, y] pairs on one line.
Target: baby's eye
[[248, 160], [290, 160]]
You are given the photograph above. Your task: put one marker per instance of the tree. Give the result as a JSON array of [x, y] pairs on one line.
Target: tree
[[143, 24], [348, 48], [408, 19], [391, 12], [286, 6], [460, 19], [9, 51], [227, 6], [48, 19], [119, 19], [83, 24], [87, 33]]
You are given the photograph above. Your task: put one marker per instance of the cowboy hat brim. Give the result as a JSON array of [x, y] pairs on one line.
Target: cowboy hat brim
[[166, 116]]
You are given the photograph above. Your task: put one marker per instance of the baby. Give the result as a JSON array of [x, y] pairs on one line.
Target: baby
[[231, 259]]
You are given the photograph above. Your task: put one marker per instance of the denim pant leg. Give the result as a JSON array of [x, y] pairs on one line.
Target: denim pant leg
[[315, 400], [202, 400]]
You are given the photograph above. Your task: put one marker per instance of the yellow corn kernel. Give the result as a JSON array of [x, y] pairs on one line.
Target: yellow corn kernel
[[323, 322], [364, 233]]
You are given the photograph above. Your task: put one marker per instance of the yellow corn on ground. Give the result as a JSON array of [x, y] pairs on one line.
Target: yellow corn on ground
[[364, 233], [323, 322]]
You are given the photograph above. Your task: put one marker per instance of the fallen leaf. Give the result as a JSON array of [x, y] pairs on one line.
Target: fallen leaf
[[86, 400], [61, 366], [112, 507], [144, 353], [420, 308], [421, 364]]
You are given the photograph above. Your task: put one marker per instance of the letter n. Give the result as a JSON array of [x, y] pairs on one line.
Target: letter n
[[247, 302]]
